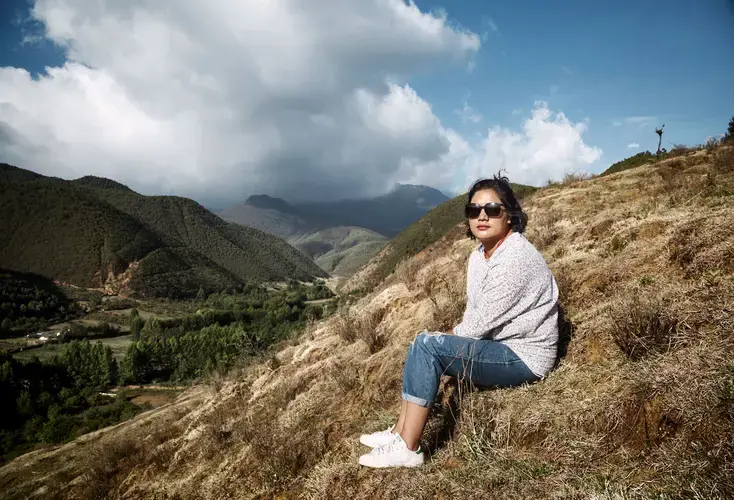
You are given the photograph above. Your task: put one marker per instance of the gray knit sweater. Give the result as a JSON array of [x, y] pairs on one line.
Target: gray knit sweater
[[512, 297]]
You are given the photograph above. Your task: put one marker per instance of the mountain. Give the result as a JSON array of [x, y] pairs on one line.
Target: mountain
[[386, 215], [96, 232], [640, 405], [260, 212], [315, 227], [340, 250]]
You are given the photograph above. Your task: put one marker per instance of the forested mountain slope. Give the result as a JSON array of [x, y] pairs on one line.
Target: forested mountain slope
[[96, 232]]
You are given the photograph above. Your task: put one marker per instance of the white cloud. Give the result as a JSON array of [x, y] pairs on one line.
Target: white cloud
[[638, 121], [549, 146], [633, 145], [219, 99], [567, 70], [468, 114], [197, 98]]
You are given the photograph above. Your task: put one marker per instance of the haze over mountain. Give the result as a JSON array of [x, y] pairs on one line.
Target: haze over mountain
[[96, 232], [339, 235], [387, 214]]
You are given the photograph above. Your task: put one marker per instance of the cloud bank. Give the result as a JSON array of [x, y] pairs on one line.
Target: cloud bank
[[219, 99]]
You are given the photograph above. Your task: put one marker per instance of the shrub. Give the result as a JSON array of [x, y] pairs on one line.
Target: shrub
[[679, 150], [368, 330], [724, 160], [712, 144], [644, 326], [346, 324], [572, 177]]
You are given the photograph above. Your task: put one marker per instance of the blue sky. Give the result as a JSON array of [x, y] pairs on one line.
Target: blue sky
[[605, 61], [621, 67]]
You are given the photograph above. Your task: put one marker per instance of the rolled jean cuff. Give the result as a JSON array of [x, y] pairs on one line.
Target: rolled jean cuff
[[419, 401]]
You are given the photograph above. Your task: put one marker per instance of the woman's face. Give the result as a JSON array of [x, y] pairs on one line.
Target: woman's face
[[484, 228]]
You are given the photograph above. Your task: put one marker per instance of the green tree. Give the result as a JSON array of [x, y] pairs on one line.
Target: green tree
[[136, 326], [5, 326], [730, 131], [134, 313]]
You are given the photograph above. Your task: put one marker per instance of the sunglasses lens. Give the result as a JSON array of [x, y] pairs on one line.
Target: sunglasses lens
[[493, 211], [472, 211]]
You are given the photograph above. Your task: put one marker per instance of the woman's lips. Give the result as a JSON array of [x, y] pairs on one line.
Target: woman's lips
[[482, 228]]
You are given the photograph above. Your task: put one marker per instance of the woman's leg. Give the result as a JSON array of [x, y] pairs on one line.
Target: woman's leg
[[483, 362], [416, 417], [401, 419]]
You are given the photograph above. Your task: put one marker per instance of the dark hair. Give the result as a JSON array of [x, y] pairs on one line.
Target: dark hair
[[500, 185]]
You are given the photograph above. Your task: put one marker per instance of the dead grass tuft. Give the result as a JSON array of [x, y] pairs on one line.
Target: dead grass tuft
[[111, 460], [407, 272], [644, 326], [724, 160], [448, 298], [704, 245], [367, 328], [345, 324], [543, 231]]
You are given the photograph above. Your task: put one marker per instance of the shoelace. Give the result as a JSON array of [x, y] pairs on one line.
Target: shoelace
[[390, 447], [386, 449]]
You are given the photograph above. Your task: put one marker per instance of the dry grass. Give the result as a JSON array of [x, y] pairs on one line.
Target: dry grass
[[641, 404], [542, 229], [447, 295], [724, 160], [644, 326], [366, 328]]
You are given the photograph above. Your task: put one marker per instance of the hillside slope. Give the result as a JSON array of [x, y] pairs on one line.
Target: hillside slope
[[640, 406], [339, 235], [95, 232], [246, 252], [340, 250]]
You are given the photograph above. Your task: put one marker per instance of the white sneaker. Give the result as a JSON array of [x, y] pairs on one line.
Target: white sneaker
[[395, 454], [379, 438]]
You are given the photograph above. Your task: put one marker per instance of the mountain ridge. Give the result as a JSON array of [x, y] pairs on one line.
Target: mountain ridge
[[90, 231]]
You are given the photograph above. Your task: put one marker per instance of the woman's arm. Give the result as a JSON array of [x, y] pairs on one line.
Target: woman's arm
[[503, 297]]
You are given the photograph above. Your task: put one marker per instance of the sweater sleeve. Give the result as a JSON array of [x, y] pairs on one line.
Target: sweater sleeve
[[499, 301]]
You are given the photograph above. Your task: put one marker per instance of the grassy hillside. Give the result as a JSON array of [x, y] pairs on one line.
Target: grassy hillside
[[340, 250], [641, 404], [632, 162], [97, 232]]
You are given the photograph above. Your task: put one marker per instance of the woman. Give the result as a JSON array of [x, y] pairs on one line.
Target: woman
[[507, 337]]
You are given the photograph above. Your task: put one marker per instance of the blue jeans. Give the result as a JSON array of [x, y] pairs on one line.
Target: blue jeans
[[484, 363]]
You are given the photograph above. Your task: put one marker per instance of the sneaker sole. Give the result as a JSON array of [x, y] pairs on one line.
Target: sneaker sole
[[373, 466]]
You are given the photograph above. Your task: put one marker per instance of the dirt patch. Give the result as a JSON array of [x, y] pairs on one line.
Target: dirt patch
[[155, 399]]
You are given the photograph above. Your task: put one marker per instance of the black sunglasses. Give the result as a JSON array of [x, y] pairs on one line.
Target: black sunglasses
[[493, 210]]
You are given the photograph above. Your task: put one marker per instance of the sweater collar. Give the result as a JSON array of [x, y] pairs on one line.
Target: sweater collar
[[480, 247]]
